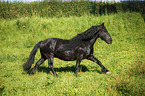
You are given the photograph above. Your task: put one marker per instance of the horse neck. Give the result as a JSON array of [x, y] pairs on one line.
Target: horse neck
[[92, 41]]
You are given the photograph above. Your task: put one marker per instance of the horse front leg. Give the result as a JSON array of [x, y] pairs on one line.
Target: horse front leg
[[94, 59]]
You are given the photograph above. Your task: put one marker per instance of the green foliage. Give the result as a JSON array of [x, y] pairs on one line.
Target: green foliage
[[131, 83], [59, 9], [124, 57]]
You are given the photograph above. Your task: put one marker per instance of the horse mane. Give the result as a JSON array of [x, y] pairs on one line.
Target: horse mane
[[87, 35], [84, 36]]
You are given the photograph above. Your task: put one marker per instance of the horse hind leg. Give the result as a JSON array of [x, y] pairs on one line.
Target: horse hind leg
[[78, 61], [41, 60], [50, 65]]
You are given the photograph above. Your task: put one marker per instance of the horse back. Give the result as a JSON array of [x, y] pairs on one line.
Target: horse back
[[51, 45]]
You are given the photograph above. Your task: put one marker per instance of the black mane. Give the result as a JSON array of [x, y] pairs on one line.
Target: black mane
[[87, 35], [84, 36]]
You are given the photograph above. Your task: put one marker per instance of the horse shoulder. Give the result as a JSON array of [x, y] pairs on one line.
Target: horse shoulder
[[86, 49]]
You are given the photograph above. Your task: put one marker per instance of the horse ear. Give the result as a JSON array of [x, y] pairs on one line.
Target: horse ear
[[102, 23], [100, 26]]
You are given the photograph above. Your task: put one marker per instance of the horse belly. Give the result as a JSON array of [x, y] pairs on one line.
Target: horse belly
[[66, 55]]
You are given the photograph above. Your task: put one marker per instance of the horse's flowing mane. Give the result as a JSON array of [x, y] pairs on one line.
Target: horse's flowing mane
[[87, 35], [84, 36]]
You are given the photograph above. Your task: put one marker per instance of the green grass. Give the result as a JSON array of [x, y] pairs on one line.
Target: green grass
[[124, 57]]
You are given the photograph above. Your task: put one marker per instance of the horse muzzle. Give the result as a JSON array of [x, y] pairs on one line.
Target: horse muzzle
[[109, 41]]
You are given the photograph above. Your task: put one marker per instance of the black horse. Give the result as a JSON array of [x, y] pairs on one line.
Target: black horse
[[78, 48]]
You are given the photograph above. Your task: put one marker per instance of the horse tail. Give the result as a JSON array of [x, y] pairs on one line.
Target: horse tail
[[27, 65]]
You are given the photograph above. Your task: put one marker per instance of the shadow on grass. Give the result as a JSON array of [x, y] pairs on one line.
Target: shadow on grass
[[63, 69], [83, 68], [1, 90]]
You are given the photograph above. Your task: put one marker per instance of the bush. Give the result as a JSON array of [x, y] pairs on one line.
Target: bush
[[59, 9]]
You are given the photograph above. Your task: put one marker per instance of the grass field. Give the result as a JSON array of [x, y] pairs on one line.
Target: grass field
[[125, 57]]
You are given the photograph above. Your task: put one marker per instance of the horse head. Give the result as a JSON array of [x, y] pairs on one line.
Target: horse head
[[103, 34]]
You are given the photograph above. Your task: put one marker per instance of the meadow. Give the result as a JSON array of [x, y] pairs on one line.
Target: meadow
[[124, 57]]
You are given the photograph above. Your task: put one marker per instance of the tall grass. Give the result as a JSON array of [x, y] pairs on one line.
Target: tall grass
[[132, 82], [124, 58]]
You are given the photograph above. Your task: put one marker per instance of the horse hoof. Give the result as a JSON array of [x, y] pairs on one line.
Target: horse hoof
[[56, 75], [108, 72], [30, 74]]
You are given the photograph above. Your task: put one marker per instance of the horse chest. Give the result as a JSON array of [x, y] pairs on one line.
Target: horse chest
[[88, 51], [85, 51]]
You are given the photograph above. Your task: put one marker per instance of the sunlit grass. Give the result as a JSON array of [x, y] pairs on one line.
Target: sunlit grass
[[124, 57]]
